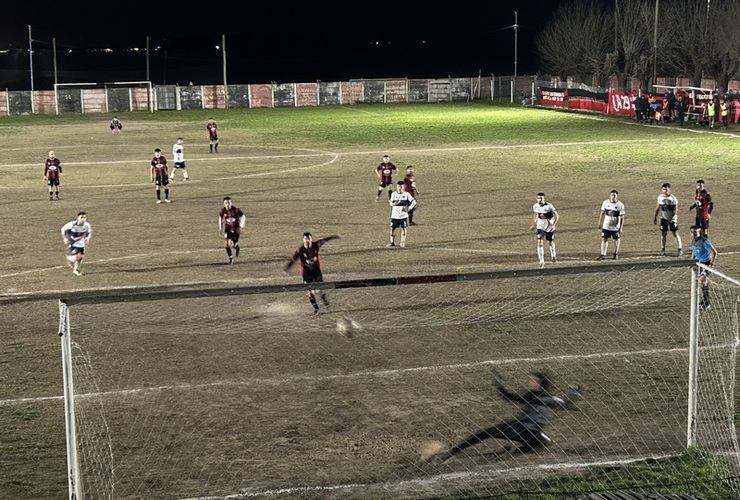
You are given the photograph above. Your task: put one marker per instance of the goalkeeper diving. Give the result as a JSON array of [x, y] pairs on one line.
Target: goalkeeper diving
[[526, 427]]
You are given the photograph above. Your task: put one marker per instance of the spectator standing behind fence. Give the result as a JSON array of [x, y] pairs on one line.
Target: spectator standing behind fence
[[681, 110], [637, 103], [711, 111], [670, 98], [725, 112]]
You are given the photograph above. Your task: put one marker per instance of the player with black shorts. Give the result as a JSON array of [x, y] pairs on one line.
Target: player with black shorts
[[385, 172], [231, 220], [308, 255], [52, 172], [159, 175]]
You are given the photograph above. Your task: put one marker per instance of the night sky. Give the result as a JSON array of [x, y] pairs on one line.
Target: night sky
[[269, 41]]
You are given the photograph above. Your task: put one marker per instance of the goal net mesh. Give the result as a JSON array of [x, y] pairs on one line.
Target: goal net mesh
[[237, 394]]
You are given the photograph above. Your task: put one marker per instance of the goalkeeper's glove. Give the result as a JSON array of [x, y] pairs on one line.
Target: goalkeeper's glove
[[575, 389]]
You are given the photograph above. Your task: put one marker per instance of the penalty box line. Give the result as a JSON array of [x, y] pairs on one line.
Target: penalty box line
[[358, 375]]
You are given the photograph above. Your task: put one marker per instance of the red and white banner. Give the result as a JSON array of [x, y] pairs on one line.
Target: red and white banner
[[620, 103]]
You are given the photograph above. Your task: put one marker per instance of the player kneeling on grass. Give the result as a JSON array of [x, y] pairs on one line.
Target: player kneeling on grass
[[76, 235], [308, 255], [231, 220], [401, 202], [538, 406]]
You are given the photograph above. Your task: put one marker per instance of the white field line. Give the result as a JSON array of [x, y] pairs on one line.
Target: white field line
[[212, 250], [439, 478], [312, 153], [357, 375]]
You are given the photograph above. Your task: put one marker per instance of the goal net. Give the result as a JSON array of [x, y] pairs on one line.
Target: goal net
[[242, 392], [113, 97]]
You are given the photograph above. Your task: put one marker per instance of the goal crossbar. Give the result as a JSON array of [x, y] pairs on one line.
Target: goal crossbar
[[218, 289]]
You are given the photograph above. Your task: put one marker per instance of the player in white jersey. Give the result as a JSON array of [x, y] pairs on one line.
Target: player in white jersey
[[178, 155], [401, 202], [611, 222], [76, 235], [667, 209], [545, 218]]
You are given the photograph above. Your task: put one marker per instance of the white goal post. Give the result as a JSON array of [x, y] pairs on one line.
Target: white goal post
[[238, 392], [109, 97]]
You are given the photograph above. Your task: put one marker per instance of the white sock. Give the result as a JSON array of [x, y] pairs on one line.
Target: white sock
[[540, 253], [552, 251], [604, 247]]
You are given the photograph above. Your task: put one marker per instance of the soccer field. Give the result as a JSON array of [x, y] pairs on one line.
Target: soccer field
[[261, 370]]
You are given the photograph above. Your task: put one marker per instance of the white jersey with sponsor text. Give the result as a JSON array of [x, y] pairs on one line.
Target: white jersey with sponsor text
[[77, 234], [545, 214], [668, 206], [613, 212], [399, 202]]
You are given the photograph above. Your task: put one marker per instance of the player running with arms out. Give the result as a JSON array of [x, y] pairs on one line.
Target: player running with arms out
[[159, 175], [611, 222], [308, 255], [401, 203], [704, 253], [76, 235], [667, 209], [545, 219], [178, 157], [703, 205], [212, 128], [52, 173], [526, 428], [385, 172], [231, 220]]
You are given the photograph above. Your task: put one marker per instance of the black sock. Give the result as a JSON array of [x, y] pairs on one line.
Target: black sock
[[166, 194], [237, 250], [228, 251], [159, 197], [705, 295], [324, 299], [313, 302]]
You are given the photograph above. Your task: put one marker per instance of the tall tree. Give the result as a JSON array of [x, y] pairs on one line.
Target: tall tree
[[576, 41], [724, 41]]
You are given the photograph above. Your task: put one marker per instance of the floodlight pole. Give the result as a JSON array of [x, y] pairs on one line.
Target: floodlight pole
[[147, 59], [226, 88], [516, 53], [516, 42], [30, 55], [54, 50]]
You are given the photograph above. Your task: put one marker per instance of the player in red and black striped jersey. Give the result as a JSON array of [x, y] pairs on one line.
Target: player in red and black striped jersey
[[704, 206], [231, 220], [159, 174], [409, 185], [212, 134], [52, 172], [308, 255], [385, 172]]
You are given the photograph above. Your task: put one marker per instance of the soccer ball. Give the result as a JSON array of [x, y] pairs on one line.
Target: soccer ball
[[346, 327]]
